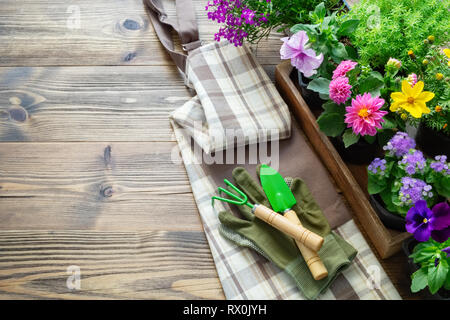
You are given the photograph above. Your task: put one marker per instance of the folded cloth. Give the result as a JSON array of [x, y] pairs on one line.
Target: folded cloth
[[256, 234], [236, 103]]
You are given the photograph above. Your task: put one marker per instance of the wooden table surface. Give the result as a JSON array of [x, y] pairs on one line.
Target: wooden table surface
[[86, 177]]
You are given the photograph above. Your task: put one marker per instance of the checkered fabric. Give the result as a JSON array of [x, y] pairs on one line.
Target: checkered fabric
[[233, 93], [246, 275]]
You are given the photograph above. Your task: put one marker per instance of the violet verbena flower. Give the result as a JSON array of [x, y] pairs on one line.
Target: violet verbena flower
[[236, 17], [377, 166], [344, 67], [413, 162], [423, 222], [440, 165], [364, 116], [302, 57], [340, 90], [399, 144], [413, 190]]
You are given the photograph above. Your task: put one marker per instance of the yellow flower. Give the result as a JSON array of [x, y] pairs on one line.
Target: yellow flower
[[404, 116], [438, 109], [412, 99], [430, 38], [447, 52], [439, 76]]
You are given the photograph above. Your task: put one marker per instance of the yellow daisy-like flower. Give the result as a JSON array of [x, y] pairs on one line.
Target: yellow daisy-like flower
[[447, 53], [412, 99]]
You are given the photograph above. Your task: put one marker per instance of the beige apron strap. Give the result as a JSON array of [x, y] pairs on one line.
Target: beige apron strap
[[185, 25]]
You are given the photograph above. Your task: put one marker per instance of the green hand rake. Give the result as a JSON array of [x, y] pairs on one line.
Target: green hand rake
[[299, 233]]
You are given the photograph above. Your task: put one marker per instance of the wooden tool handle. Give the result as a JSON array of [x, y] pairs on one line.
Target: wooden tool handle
[[312, 259], [304, 236]]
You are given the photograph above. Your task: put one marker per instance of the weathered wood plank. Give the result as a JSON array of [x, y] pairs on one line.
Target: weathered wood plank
[[94, 186], [85, 32], [89, 103], [119, 265]]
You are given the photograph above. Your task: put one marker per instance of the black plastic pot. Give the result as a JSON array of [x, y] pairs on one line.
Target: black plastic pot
[[311, 98], [389, 219], [408, 247], [431, 142], [361, 152]]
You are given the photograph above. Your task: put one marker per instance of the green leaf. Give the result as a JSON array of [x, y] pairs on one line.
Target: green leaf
[[338, 52], [389, 123], [309, 29], [350, 138], [348, 27], [419, 280], [351, 52], [375, 185], [332, 124], [370, 139], [331, 107], [437, 275], [320, 11], [320, 85], [373, 83], [442, 185]]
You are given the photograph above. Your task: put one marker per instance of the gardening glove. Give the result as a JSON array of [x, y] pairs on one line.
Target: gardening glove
[[251, 232]]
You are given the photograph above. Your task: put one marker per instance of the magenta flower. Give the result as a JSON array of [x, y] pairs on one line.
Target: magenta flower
[[365, 116], [340, 90], [344, 67], [302, 57], [412, 79], [423, 222]]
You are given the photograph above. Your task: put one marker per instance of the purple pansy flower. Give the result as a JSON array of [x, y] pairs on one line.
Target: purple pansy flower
[[447, 251], [302, 57], [423, 222]]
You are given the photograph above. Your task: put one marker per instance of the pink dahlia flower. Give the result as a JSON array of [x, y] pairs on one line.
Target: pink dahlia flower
[[340, 90], [364, 116], [344, 67], [302, 57]]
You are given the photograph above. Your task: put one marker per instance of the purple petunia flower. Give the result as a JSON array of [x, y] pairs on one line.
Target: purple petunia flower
[[400, 144], [413, 162], [413, 190], [302, 57], [423, 222]]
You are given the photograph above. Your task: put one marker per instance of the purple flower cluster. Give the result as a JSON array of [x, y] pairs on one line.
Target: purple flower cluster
[[399, 144], [236, 17], [413, 190], [440, 165], [378, 166], [413, 162]]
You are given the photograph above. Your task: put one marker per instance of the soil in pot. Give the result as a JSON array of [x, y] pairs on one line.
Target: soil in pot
[[408, 247], [389, 219], [431, 142], [361, 152]]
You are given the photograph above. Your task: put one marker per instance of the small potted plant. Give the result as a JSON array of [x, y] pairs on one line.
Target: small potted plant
[[403, 177], [429, 250]]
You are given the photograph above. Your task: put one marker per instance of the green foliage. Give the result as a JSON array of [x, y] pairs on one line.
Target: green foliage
[[325, 33], [434, 271], [390, 28], [282, 15]]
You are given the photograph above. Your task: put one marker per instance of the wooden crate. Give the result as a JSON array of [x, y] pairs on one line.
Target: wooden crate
[[351, 179]]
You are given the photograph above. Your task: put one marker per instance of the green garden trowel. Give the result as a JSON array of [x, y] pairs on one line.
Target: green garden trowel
[[282, 200]]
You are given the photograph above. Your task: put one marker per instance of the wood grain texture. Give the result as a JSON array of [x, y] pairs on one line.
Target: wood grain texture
[[123, 103], [109, 32], [94, 186], [118, 265]]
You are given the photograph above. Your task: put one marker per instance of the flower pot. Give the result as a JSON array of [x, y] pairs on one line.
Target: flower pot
[[311, 98], [389, 219], [408, 247], [361, 152], [432, 142]]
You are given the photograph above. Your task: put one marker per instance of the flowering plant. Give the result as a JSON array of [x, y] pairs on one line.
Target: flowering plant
[[431, 227], [404, 176]]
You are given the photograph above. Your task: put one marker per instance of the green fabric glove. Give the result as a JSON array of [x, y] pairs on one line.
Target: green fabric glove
[[279, 248]]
